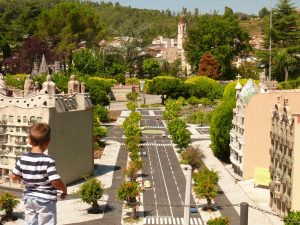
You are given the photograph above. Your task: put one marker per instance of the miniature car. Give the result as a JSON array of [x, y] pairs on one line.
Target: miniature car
[[144, 154], [193, 209], [147, 184]]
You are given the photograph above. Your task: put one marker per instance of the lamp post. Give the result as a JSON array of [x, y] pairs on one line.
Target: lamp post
[[142, 84]]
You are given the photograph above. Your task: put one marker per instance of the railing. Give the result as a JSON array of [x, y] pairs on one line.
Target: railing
[[21, 142]]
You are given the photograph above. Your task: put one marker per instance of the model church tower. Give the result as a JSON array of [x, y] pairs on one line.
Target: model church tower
[[186, 68]]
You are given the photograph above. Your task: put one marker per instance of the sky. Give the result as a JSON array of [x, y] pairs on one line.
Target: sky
[[204, 6]]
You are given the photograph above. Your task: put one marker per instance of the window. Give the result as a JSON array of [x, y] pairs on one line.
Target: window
[[33, 119], [4, 160], [11, 119], [39, 119], [4, 117], [19, 119]]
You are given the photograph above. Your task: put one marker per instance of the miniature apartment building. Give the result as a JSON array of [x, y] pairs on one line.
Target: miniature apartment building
[[284, 152], [70, 119]]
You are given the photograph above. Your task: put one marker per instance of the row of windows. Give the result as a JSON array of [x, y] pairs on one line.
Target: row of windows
[[26, 119]]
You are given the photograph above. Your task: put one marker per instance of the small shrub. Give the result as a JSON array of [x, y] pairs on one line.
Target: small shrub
[[219, 221], [292, 218], [192, 157], [132, 96], [99, 131], [193, 100], [8, 201], [90, 192], [102, 113]]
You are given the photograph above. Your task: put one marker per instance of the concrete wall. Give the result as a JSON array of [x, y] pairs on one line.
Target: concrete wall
[[71, 143], [258, 126]]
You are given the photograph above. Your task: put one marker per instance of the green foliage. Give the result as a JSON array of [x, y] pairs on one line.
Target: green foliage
[[172, 109], [86, 61], [220, 125], [206, 102], [132, 106], [16, 81], [219, 221], [132, 81], [292, 218], [99, 131], [91, 190], [180, 135], [206, 184], [167, 86], [193, 100], [151, 67], [192, 156], [8, 201], [101, 113], [204, 87], [99, 89], [219, 35], [67, 24], [199, 117], [285, 35], [291, 84], [61, 80], [132, 96]]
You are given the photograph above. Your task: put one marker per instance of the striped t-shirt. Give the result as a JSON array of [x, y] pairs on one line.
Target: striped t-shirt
[[37, 171]]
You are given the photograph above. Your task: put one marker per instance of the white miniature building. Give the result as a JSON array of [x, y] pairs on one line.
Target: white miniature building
[[70, 119]]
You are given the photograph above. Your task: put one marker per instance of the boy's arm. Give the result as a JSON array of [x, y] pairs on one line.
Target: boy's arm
[[15, 177], [59, 185]]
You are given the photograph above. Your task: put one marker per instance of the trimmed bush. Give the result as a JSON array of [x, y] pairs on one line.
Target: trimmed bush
[[219, 221]]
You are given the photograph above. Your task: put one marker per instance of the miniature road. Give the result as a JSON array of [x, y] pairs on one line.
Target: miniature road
[[163, 202]]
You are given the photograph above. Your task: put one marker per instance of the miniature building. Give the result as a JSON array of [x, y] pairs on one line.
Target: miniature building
[[119, 92], [249, 136], [180, 41], [284, 151], [70, 119]]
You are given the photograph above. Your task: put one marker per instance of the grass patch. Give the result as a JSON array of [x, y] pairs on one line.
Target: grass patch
[[152, 131]]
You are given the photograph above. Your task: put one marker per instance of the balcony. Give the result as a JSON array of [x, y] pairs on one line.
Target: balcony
[[3, 141], [277, 194], [21, 142], [3, 122]]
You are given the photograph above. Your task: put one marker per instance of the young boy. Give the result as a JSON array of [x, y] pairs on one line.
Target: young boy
[[38, 173]]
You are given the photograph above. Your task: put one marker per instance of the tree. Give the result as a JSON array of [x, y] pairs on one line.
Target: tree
[[172, 110], [131, 106], [132, 96], [151, 67], [32, 49], [86, 61], [292, 218], [209, 66], [204, 87], [167, 86], [221, 123], [182, 137], [8, 202], [67, 24], [133, 168], [285, 40], [90, 192], [263, 12], [192, 156], [219, 221], [128, 192], [101, 113], [285, 63], [221, 36], [206, 185]]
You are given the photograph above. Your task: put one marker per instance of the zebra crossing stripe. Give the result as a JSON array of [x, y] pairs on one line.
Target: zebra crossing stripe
[[171, 220]]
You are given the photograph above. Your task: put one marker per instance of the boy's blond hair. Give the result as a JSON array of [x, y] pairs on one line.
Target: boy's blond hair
[[39, 134]]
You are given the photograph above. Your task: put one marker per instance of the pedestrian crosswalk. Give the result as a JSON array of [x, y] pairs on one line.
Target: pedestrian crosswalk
[[151, 144], [153, 127], [171, 221]]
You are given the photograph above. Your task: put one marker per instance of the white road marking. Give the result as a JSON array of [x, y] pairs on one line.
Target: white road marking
[[163, 176], [151, 170], [173, 176], [171, 220]]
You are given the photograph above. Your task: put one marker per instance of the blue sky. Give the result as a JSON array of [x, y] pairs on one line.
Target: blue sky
[[204, 6]]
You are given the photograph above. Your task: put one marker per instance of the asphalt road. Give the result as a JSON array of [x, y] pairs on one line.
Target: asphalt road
[[166, 197]]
